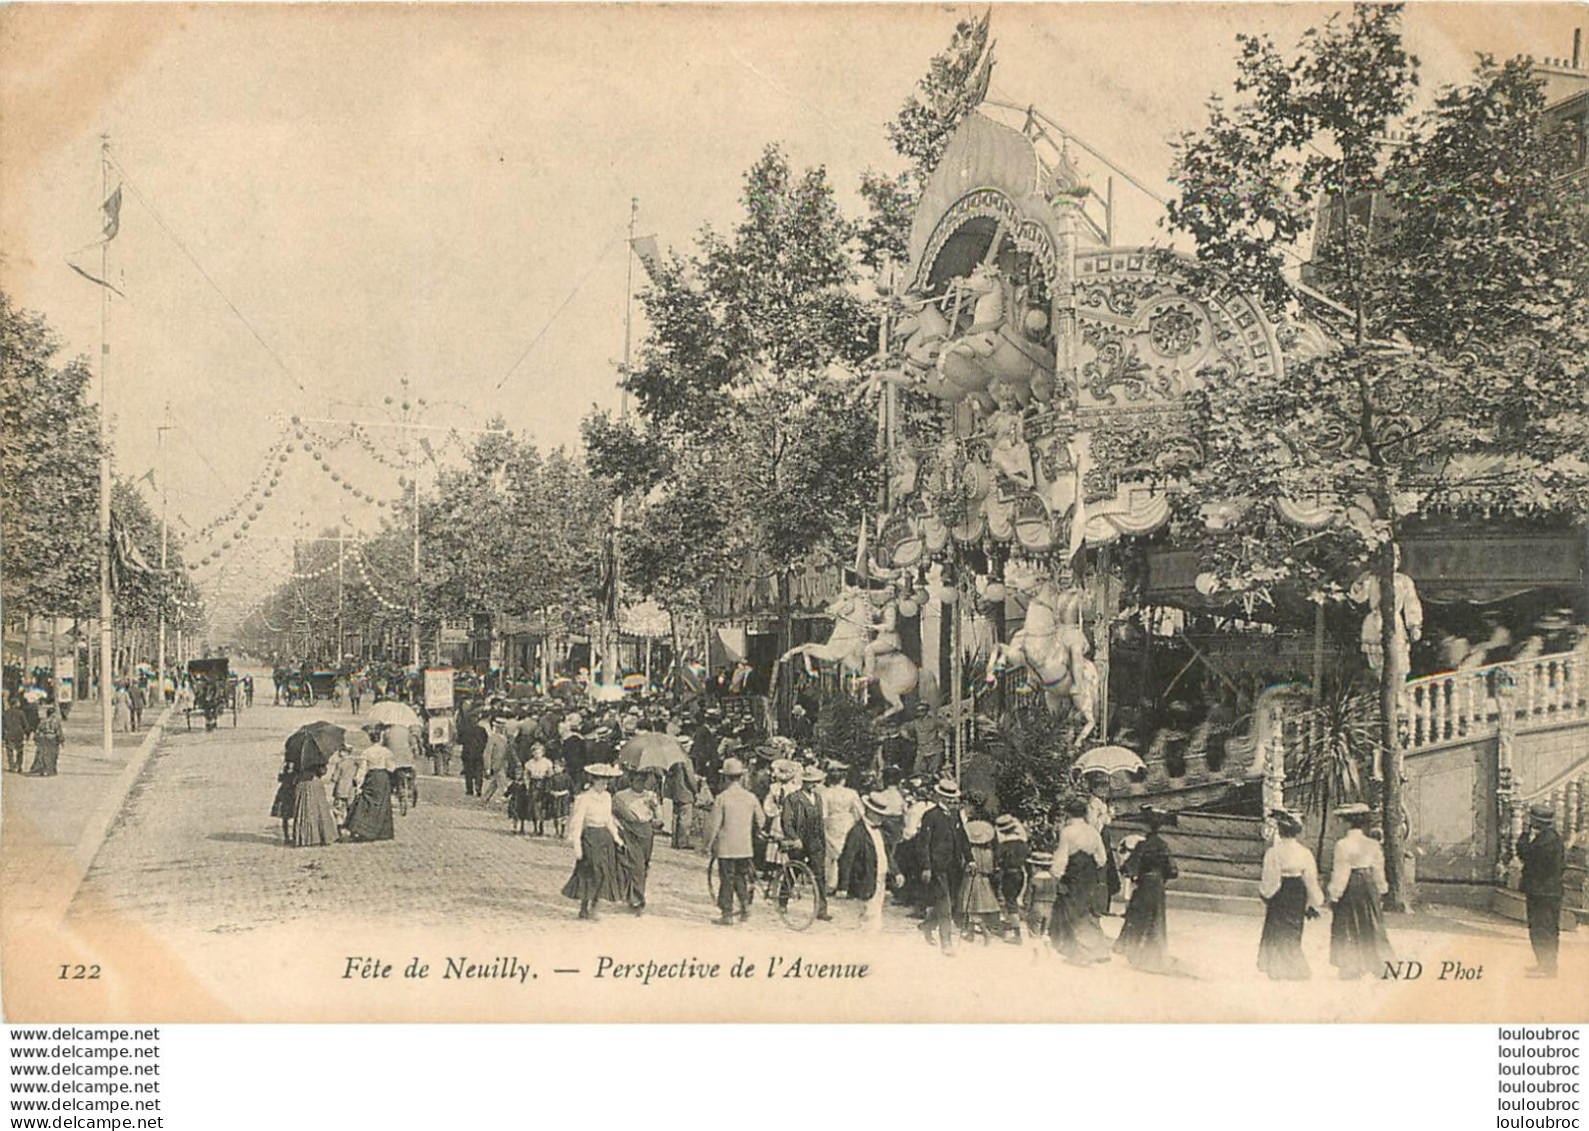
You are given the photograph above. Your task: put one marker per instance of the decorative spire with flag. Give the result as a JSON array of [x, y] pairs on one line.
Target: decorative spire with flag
[[112, 209]]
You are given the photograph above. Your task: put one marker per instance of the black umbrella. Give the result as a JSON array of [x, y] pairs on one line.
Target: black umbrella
[[311, 746]]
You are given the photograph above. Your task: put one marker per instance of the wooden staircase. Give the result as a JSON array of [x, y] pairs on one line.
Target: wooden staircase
[[1220, 858]]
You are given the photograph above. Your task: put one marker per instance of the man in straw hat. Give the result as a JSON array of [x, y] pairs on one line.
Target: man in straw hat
[[805, 831], [1541, 851], [730, 841], [943, 851]]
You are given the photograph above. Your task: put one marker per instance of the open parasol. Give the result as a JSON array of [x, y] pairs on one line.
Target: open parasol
[[1109, 760], [390, 712], [651, 750], [311, 746]]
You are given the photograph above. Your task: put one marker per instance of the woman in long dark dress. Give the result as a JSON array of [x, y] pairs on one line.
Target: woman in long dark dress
[[47, 739], [1144, 936], [1358, 943], [596, 837], [1078, 870], [370, 815], [1291, 893], [313, 821], [635, 808]]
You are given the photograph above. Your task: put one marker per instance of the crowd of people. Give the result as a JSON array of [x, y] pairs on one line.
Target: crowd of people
[[871, 835]]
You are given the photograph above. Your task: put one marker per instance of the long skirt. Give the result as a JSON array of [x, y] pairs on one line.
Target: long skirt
[[634, 860], [286, 799], [314, 823], [1074, 927], [1144, 937], [1358, 943], [977, 896], [46, 749], [370, 816], [1280, 946], [596, 871]]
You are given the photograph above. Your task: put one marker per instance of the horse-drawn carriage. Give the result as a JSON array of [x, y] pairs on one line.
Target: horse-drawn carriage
[[214, 691]]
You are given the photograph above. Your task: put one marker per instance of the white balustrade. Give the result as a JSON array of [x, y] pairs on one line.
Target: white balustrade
[[1452, 706]]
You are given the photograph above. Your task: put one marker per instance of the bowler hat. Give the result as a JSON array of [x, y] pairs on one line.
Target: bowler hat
[[1542, 814], [732, 768]]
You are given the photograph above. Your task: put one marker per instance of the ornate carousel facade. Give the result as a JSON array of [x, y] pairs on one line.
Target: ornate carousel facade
[[1034, 420]]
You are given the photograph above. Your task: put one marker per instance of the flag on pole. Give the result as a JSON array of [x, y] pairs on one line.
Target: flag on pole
[[95, 279], [112, 208], [649, 254]]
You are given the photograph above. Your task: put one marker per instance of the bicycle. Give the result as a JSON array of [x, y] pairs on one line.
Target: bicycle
[[790, 884]]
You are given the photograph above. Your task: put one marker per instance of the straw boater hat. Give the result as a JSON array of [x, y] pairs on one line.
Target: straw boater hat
[[732, 768], [946, 790], [1356, 812], [1287, 823], [1040, 859], [602, 770], [1007, 822], [875, 806], [979, 832], [1542, 814], [813, 774]]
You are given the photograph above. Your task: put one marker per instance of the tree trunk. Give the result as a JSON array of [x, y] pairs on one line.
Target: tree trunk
[[1391, 678], [781, 671]]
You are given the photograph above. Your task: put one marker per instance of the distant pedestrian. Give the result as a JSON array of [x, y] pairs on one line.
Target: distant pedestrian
[[978, 902], [595, 835], [47, 740], [730, 841], [1358, 943], [1290, 890], [313, 822], [499, 743], [15, 729], [370, 817], [1079, 866], [841, 809], [682, 787], [866, 865], [1541, 851], [121, 709], [1009, 867], [136, 700], [1144, 937], [637, 807], [472, 739], [943, 852]]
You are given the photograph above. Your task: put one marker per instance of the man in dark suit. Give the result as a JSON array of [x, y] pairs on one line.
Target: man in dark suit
[[806, 830], [943, 850], [472, 739], [1541, 851]]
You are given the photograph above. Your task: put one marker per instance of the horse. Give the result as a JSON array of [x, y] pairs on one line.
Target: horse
[[1052, 646], [851, 647]]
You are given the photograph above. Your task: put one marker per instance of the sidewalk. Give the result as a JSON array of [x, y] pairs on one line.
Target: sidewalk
[[51, 828]]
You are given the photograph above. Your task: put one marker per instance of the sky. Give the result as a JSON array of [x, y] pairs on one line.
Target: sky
[[320, 202]]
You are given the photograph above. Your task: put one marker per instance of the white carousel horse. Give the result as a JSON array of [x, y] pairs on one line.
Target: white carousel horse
[[851, 646], [1052, 646]]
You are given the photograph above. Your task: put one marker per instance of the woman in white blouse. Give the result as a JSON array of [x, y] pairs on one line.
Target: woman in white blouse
[[594, 832], [1358, 943], [1290, 889], [1078, 869]]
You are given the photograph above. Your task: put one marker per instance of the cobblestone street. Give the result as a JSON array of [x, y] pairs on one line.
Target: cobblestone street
[[193, 888]]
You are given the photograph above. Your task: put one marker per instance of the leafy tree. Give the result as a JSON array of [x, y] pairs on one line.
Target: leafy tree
[[49, 465], [956, 82], [751, 437], [1425, 402]]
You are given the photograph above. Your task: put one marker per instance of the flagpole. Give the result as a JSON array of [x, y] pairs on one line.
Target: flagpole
[[165, 590], [614, 658], [106, 627]]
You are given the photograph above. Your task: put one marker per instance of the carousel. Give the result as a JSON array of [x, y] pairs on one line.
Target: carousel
[[1033, 415]]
